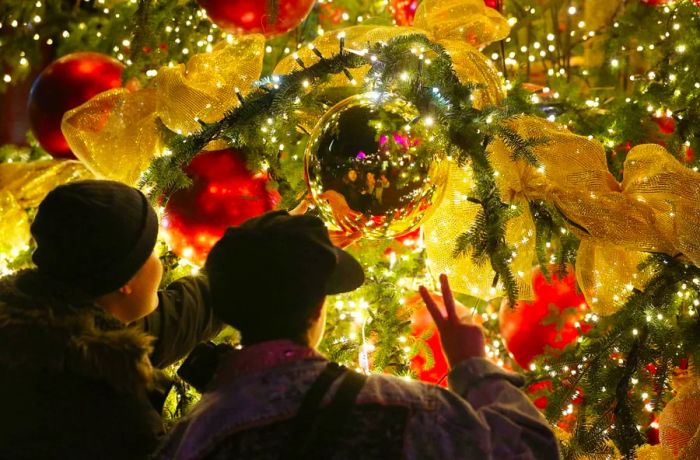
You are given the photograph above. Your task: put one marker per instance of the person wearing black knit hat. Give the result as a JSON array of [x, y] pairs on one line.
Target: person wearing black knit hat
[[97, 237], [82, 333]]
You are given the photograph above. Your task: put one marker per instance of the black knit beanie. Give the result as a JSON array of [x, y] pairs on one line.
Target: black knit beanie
[[94, 235]]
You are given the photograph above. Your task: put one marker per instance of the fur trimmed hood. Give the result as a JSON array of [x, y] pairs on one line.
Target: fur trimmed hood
[[41, 330]]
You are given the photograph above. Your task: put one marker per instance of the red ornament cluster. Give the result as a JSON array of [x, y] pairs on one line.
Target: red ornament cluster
[[268, 17], [223, 193], [549, 322], [65, 84]]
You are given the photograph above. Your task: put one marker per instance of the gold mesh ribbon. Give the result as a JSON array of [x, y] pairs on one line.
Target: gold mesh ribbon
[[453, 216], [654, 209], [679, 423], [23, 186], [116, 134], [658, 452], [461, 26], [460, 20], [14, 223]]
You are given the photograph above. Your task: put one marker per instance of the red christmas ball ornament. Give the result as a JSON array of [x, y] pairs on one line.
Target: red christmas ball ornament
[[667, 125], [268, 17], [493, 4], [404, 11], [539, 392], [547, 322], [689, 154], [652, 431], [223, 193], [423, 328], [65, 84]]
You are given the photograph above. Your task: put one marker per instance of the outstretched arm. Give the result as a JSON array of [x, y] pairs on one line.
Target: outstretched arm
[[182, 320]]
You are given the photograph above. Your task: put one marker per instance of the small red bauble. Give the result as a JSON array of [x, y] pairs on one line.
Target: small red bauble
[[223, 193], [404, 11], [268, 17], [547, 322], [689, 154], [539, 393], [667, 125], [653, 431], [65, 84], [493, 4]]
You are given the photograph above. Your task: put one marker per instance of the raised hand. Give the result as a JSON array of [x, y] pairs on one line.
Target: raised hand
[[347, 218], [461, 339]]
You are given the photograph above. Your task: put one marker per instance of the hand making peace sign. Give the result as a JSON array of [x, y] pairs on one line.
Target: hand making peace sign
[[460, 338]]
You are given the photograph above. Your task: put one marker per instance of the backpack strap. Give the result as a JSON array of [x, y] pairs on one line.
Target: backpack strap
[[301, 424], [333, 419], [313, 427]]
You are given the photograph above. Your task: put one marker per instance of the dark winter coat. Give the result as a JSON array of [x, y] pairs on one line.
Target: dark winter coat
[[75, 381]]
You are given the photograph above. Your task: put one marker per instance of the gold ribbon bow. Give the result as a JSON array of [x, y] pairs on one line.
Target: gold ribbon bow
[[453, 216], [656, 208], [461, 26], [116, 134], [23, 186]]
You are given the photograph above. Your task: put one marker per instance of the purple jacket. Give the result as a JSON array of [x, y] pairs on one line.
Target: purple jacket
[[247, 413]]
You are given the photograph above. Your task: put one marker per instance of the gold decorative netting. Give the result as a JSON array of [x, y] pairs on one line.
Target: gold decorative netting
[[116, 134], [454, 215], [680, 420], [24, 185], [654, 209]]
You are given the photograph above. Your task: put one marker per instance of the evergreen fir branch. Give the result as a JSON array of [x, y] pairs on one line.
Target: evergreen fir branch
[[588, 441], [627, 436], [521, 147], [655, 341]]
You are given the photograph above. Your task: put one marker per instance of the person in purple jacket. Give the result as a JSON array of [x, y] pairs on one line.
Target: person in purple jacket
[[279, 398]]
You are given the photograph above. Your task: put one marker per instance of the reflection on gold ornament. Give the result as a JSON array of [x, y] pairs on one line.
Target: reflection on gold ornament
[[371, 166]]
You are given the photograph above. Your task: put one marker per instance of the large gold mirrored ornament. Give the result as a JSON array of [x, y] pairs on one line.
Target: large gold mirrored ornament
[[373, 166]]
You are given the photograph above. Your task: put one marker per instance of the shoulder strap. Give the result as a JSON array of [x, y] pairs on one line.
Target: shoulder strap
[[304, 419], [331, 422], [323, 427]]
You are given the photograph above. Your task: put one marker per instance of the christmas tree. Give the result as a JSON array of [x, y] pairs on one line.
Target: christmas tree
[[541, 154]]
